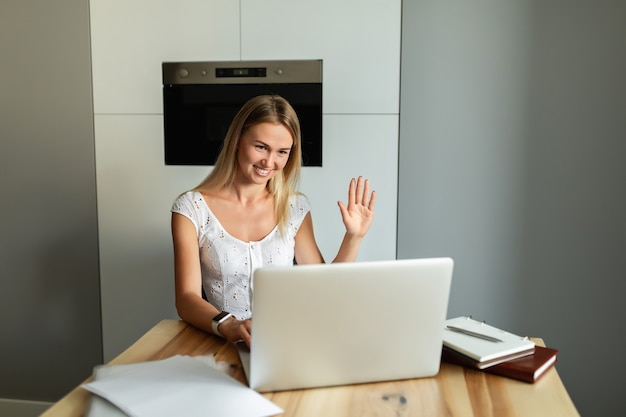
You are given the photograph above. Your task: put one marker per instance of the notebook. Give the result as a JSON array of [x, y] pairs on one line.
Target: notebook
[[346, 323], [479, 349], [528, 368], [453, 356]]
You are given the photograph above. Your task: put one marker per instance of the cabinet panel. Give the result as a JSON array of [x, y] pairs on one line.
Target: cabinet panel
[[359, 42], [130, 40], [355, 145], [135, 193]]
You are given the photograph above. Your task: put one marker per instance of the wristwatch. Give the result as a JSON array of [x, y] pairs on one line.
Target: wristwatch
[[219, 319]]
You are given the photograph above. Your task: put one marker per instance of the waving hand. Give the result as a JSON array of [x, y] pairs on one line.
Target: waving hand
[[358, 215]]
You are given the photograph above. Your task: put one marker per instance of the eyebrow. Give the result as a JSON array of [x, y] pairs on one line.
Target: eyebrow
[[258, 141]]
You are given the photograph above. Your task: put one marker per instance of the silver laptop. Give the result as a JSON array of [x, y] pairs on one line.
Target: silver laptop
[[346, 323]]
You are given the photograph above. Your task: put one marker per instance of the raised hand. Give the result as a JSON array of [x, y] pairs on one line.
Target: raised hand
[[358, 215]]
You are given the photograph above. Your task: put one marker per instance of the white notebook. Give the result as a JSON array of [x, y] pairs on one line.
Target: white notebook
[[481, 349]]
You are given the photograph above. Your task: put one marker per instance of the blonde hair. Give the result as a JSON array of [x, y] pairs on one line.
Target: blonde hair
[[261, 109]]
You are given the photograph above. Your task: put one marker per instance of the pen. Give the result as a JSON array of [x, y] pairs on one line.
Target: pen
[[474, 334]]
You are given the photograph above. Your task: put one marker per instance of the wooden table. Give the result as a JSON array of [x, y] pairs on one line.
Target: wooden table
[[455, 391]]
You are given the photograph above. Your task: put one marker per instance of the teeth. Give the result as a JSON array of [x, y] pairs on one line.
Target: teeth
[[262, 171]]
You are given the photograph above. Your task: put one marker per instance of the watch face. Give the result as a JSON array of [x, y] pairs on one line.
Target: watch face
[[220, 316]]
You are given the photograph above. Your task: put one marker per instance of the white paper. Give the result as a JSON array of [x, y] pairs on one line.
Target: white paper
[[180, 385], [479, 349]]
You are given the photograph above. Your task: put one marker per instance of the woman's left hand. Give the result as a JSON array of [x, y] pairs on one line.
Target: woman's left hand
[[359, 214]]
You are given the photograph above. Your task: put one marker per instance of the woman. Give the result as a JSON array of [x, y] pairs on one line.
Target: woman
[[247, 214]]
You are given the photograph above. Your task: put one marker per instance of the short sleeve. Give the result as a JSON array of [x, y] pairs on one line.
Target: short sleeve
[[189, 205], [299, 207]]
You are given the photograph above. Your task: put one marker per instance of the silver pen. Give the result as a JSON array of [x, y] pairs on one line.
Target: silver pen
[[474, 334]]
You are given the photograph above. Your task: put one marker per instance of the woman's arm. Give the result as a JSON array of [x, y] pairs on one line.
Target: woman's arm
[[357, 218], [190, 305], [306, 250]]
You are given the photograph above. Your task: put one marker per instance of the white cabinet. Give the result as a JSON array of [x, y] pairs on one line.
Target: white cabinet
[[355, 145], [130, 40], [359, 41]]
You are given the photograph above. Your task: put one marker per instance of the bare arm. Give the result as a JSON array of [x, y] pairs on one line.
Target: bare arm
[[306, 250], [357, 217], [190, 305]]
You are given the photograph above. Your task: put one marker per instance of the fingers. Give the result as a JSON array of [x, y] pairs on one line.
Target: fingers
[[366, 192], [237, 330], [246, 336], [247, 339], [352, 192], [372, 203], [359, 192]]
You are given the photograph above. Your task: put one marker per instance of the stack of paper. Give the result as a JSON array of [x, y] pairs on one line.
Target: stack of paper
[[177, 386], [477, 345], [483, 342], [529, 368]]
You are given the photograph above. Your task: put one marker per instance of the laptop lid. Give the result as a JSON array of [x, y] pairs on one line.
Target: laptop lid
[[345, 323]]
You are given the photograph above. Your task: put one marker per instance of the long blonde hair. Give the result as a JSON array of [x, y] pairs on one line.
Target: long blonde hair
[[261, 109]]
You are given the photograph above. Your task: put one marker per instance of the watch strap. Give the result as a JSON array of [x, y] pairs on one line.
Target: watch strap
[[219, 319]]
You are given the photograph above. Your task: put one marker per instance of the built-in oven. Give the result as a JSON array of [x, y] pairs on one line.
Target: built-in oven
[[200, 100]]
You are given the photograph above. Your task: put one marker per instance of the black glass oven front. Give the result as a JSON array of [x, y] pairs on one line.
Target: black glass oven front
[[201, 99]]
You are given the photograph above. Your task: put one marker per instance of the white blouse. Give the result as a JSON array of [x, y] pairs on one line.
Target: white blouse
[[228, 263]]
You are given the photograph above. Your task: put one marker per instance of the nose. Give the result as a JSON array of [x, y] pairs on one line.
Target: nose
[[269, 160]]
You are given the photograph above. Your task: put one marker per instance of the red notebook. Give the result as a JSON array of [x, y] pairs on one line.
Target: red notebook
[[528, 368]]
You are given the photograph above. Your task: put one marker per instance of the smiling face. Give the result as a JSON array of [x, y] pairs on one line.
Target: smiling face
[[263, 152]]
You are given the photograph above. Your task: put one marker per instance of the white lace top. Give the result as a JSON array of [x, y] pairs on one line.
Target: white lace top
[[228, 263]]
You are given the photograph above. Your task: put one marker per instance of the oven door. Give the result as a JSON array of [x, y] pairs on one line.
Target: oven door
[[198, 109]]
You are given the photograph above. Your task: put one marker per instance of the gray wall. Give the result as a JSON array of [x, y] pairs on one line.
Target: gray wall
[[512, 142], [49, 284]]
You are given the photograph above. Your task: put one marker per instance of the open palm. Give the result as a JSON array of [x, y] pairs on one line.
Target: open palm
[[358, 215]]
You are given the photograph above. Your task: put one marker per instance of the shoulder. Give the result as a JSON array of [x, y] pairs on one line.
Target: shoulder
[[188, 203], [300, 202], [299, 207]]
